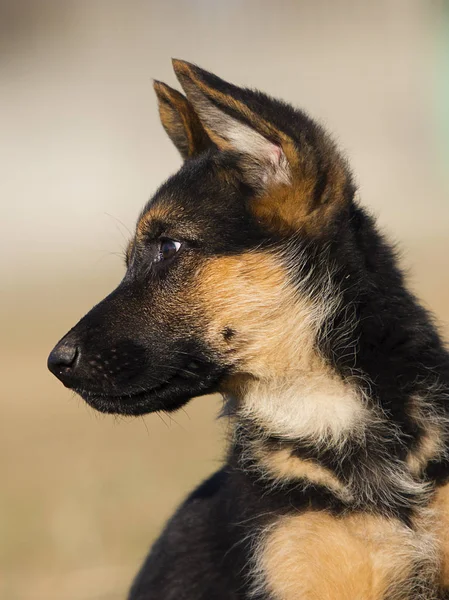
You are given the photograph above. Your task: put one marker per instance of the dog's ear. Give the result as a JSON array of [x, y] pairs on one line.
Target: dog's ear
[[267, 153], [181, 122], [299, 177]]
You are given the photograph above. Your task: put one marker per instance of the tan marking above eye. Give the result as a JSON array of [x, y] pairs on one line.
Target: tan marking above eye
[[167, 218], [155, 214]]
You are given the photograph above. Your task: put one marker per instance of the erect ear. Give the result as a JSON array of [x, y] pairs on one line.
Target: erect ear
[[181, 122], [267, 154]]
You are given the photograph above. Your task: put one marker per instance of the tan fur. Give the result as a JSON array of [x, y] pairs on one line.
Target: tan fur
[[171, 216], [316, 556], [282, 466], [429, 446], [287, 209], [441, 507], [180, 121], [431, 443], [250, 293], [161, 212], [289, 388]]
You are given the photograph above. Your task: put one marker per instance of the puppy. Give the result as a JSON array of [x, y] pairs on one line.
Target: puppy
[[255, 273]]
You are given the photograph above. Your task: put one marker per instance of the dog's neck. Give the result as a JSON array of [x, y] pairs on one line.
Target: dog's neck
[[319, 430], [353, 394], [317, 406]]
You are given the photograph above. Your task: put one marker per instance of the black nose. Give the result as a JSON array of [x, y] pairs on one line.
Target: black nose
[[63, 360]]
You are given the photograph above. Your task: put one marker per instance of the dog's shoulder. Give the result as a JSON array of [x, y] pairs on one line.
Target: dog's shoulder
[[193, 543]]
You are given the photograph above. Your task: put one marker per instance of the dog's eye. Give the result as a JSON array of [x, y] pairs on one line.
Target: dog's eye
[[167, 249]]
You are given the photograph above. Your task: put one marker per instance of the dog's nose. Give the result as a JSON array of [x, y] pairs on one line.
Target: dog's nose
[[63, 360]]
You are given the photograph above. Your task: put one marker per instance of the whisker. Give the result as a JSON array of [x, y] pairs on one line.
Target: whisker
[[121, 223]]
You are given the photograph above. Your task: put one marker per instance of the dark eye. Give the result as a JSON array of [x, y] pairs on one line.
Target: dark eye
[[167, 249]]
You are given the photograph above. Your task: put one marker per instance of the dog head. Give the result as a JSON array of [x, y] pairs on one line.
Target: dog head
[[218, 286]]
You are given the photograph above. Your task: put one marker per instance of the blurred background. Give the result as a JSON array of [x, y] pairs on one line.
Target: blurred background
[[81, 150]]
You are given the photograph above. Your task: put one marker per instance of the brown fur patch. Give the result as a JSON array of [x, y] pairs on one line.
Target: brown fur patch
[[441, 507], [160, 213], [431, 443], [251, 294], [289, 209], [316, 556], [428, 447], [166, 218], [282, 465]]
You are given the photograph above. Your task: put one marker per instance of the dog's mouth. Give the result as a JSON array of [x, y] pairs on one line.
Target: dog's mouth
[[168, 394]]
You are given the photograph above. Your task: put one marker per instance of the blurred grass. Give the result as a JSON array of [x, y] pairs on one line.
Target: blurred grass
[[82, 494]]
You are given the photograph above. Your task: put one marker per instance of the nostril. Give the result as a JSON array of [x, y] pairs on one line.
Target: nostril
[[63, 355]]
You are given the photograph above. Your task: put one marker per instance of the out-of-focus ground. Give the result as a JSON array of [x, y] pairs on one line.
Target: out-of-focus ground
[[81, 149], [82, 495]]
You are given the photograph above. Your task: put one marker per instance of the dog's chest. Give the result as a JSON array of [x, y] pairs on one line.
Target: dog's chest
[[441, 507], [316, 556]]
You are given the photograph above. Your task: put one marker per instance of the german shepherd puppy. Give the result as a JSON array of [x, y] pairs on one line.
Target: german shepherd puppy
[[254, 272]]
